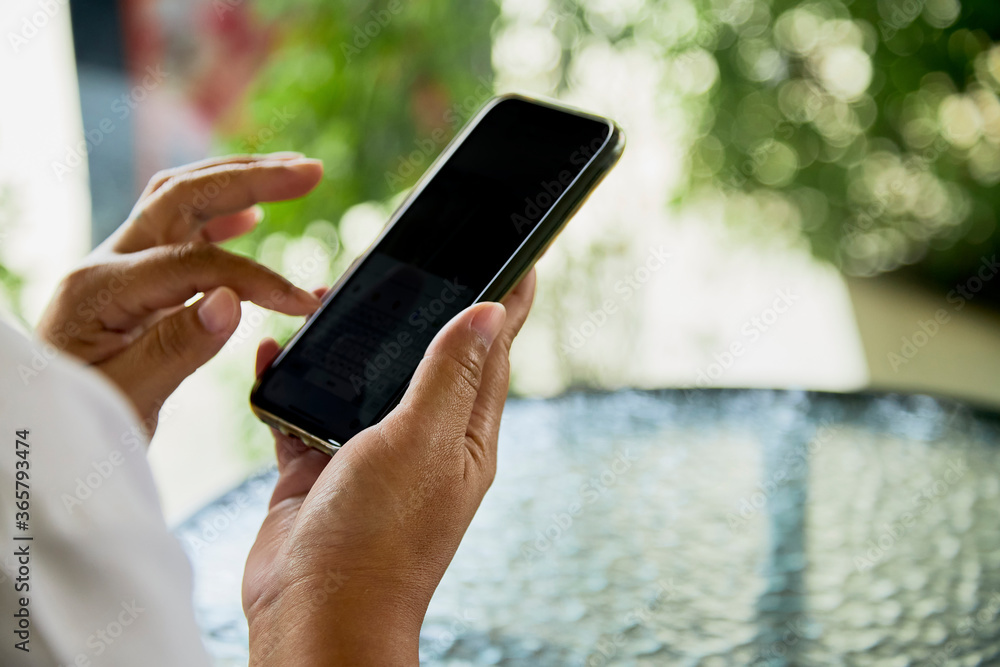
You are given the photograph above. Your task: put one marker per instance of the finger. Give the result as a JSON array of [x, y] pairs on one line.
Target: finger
[[228, 227], [320, 292], [177, 211], [298, 469], [266, 352], [152, 367], [299, 466], [518, 304], [160, 278], [161, 177], [296, 476], [439, 400], [484, 422]]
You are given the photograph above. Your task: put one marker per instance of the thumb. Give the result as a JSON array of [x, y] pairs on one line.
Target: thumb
[[445, 385], [152, 367]]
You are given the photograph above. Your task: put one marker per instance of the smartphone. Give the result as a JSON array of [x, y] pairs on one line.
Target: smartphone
[[472, 226]]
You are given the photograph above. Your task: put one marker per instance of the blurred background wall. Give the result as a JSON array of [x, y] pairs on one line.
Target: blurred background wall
[[822, 176]]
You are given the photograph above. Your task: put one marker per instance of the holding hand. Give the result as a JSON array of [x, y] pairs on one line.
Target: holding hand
[[353, 547], [123, 309]]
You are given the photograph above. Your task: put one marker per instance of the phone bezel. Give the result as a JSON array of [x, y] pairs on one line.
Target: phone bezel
[[534, 244]]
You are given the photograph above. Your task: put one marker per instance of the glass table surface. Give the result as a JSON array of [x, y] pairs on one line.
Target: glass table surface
[[699, 527]]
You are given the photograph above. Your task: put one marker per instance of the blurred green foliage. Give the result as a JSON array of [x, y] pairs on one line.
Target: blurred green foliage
[[878, 122], [374, 88], [872, 127]]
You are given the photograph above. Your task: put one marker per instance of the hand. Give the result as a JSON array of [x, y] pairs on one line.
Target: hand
[[353, 547], [123, 310]]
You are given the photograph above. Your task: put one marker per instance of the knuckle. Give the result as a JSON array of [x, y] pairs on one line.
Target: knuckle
[[178, 191], [171, 193], [167, 340], [465, 366], [78, 279], [175, 180], [160, 177], [194, 255]]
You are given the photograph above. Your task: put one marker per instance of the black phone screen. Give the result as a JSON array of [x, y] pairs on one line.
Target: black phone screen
[[443, 251]]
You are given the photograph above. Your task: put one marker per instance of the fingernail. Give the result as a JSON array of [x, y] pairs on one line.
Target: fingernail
[[216, 310], [489, 321], [258, 213]]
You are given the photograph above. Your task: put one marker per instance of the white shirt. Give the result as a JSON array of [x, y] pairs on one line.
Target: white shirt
[[107, 584]]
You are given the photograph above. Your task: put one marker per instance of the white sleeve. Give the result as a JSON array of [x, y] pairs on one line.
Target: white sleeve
[[104, 580]]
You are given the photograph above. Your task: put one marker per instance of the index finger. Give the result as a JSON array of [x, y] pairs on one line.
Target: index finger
[[161, 177], [160, 278], [178, 210]]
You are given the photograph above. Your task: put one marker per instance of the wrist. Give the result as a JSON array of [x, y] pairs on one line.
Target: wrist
[[335, 620]]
